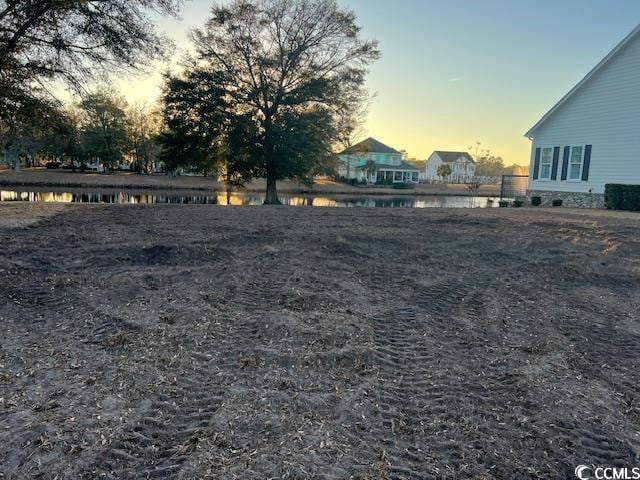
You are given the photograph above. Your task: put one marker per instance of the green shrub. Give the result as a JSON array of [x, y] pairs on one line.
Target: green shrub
[[403, 186], [556, 202], [614, 196], [503, 203], [622, 197], [631, 200], [536, 201], [518, 203]]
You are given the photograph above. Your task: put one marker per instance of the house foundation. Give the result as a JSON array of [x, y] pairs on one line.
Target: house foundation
[[569, 199]]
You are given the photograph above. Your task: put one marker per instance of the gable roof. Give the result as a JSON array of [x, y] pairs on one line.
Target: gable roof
[[450, 157], [626, 41], [370, 145]]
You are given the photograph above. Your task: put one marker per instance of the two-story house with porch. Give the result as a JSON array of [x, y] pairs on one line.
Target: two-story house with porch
[[463, 167], [372, 161]]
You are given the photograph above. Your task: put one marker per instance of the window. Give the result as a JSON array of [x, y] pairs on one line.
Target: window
[[575, 163], [397, 176], [546, 159]]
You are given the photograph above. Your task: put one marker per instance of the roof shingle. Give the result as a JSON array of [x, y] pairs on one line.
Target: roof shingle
[[370, 145], [450, 157]]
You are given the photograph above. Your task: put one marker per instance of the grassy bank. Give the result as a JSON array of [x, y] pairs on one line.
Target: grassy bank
[[66, 179]]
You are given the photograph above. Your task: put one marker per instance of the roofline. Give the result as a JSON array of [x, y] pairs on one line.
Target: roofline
[[394, 152], [588, 77], [467, 155]]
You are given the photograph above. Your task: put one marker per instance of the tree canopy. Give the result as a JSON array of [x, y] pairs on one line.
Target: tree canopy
[[71, 40], [104, 127], [289, 70], [195, 117], [444, 170]]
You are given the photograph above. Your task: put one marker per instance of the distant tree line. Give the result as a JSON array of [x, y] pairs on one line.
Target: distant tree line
[[100, 129], [491, 166]]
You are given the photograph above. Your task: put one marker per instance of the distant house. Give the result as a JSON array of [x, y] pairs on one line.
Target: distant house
[[372, 161], [463, 168], [591, 137]]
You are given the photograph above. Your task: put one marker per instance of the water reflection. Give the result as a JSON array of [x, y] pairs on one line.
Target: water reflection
[[247, 199]]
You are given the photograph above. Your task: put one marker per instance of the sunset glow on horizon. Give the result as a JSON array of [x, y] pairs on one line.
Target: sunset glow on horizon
[[458, 72]]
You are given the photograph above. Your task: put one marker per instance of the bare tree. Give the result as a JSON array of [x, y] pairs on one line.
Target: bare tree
[[144, 124]]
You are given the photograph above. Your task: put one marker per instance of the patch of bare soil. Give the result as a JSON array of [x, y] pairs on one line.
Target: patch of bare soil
[[24, 215], [202, 342]]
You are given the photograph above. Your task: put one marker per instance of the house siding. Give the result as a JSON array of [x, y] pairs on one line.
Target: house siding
[[604, 113], [462, 170], [353, 166]]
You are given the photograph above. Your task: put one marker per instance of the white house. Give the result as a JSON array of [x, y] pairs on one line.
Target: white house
[[374, 162], [591, 137], [463, 168]]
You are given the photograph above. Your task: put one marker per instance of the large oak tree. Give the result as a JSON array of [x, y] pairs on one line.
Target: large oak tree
[[289, 70]]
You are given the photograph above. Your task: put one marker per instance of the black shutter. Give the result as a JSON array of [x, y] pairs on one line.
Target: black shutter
[[536, 165], [587, 163], [565, 163], [554, 165]]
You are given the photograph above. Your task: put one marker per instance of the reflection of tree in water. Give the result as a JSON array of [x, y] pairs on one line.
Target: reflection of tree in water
[[248, 199]]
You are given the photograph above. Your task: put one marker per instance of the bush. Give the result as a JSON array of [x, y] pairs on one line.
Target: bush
[[536, 201], [403, 186], [614, 196], [556, 202], [518, 203], [384, 181], [631, 199], [622, 197], [503, 203], [52, 165]]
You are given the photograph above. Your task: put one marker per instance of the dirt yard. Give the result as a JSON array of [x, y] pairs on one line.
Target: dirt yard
[[253, 343]]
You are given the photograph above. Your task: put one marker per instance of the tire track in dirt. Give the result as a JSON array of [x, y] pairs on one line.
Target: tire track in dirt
[[180, 415], [421, 407], [163, 442], [159, 444]]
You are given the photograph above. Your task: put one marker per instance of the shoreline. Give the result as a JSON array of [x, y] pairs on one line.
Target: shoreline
[[286, 191], [60, 180]]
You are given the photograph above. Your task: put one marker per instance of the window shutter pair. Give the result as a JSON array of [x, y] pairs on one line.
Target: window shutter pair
[[565, 163], [585, 166]]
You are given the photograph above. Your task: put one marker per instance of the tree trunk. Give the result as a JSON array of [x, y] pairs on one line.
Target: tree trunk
[[272, 193], [271, 197]]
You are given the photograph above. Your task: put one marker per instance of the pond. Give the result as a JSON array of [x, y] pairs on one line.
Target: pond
[[246, 199]]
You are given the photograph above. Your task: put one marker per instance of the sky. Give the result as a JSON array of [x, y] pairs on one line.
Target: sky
[[457, 72]]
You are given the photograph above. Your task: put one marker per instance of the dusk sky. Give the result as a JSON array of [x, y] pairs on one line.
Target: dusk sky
[[457, 72]]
